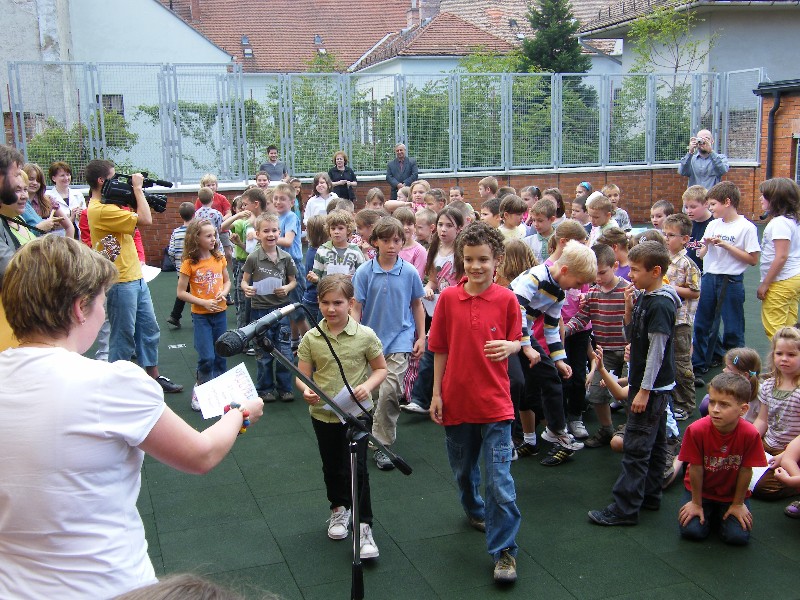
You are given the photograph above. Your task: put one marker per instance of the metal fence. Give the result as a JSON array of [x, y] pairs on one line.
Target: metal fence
[[181, 121]]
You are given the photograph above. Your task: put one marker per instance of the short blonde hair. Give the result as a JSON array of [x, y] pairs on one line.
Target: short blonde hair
[[207, 178], [579, 259], [694, 193], [43, 280], [600, 203]]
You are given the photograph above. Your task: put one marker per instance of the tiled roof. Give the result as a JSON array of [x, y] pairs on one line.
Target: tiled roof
[[282, 32], [444, 35]]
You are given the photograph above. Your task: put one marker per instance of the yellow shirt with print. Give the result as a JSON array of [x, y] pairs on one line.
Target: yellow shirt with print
[[107, 219]]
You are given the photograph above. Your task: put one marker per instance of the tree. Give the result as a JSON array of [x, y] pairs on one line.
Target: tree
[[554, 47]]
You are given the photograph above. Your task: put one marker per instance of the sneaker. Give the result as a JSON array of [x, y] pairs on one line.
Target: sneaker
[[268, 396], [525, 449], [514, 455], [176, 323], [793, 510], [413, 407], [680, 414], [250, 352], [287, 396], [599, 439], [476, 523], [616, 406], [338, 523], [169, 386], [651, 504], [384, 462], [699, 382], [368, 547], [195, 403], [608, 518], [577, 429], [556, 456], [505, 569], [562, 438]]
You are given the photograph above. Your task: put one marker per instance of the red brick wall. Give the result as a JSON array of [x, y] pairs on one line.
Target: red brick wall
[[787, 123]]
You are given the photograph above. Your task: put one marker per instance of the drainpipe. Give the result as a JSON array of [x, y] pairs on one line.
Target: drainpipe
[[771, 132]]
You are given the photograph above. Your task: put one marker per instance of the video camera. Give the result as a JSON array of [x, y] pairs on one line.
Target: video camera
[[119, 190]]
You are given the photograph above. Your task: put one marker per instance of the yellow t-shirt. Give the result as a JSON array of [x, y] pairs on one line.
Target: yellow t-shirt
[[205, 281], [107, 219]]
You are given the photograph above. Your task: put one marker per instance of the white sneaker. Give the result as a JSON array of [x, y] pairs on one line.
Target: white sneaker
[[368, 547], [413, 407], [338, 523], [578, 429], [563, 439], [195, 403]]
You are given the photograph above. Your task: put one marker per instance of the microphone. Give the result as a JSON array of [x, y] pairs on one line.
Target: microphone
[[235, 341]]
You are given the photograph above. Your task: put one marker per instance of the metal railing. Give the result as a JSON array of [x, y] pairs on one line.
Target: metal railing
[[181, 121]]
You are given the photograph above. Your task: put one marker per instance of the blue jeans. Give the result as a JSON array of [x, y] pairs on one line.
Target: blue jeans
[[730, 530], [729, 290], [296, 295], [240, 301], [644, 455], [133, 323], [465, 444], [279, 334], [423, 387], [207, 328]]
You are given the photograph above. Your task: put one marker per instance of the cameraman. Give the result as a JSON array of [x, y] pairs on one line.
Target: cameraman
[[129, 306], [701, 164]]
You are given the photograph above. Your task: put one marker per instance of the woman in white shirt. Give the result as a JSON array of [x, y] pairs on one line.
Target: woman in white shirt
[[72, 201]]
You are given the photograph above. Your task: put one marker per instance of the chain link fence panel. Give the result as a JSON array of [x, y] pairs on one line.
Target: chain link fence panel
[[531, 121], [426, 104], [742, 115], [372, 121], [480, 121], [580, 120], [628, 114]]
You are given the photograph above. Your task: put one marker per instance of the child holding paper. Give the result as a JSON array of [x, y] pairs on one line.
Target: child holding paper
[[361, 354], [273, 276]]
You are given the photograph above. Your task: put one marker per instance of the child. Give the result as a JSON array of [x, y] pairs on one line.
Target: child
[[778, 421], [417, 201], [540, 291], [388, 294], [478, 420], [779, 290], [323, 193], [721, 450], [611, 192], [366, 219], [490, 212], [604, 308], [317, 234], [297, 206], [175, 252], [584, 190], [531, 195], [412, 251], [787, 471], [745, 362], [512, 207], [71, 201], [290, 241], [262, 180], [581, 214], [360, 349], [338, 255], [554, 195], [268, 277], [204, 272], [465, 209], [434, 202], [543, 215], [659, 212], [619, 242], [487, 188], [731, 245], [375, 198], [599, 209], [440, 268], [456, 193], [684, 276], [242, 225], [425, 226], [220, 203], [205, 196], [648, 325], [694, 205], [404, 194]]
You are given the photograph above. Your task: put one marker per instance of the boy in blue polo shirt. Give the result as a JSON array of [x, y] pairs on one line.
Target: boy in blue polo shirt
[[388, 294]]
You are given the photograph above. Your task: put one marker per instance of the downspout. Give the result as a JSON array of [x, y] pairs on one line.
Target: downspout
[[771, 132]]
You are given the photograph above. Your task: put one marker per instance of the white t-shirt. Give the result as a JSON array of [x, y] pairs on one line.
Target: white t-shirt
[[71, 472], [740, 233], [781, 228], [317, 206], [75, 199]]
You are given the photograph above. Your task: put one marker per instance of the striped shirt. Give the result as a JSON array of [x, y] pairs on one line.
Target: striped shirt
[[606, 311], [175, 248], [341, 259], [783, 416], [683, 272], [539, 294]]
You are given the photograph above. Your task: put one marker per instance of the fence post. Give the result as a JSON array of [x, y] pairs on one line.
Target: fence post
[[507, 142], [239, 123], [697, 87], [651, 120], [716, 107], [556, 115], [724, 86], [96, 127], [17, 109], [605, 119], [454, 125], [167, 126], [286, 118], [400, 115]]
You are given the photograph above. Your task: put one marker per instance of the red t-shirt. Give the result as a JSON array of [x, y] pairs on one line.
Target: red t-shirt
[[721, 456], [474, 389], [220, 203]]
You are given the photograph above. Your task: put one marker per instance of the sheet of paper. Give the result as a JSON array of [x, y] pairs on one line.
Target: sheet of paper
[[758, 472], [345, 401], [149, 273], [430, 304], [331, 269], [250, 245], [232, 386], [267, 286]]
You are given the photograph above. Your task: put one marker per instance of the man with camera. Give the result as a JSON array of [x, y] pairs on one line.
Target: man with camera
[[129, 306], [701, 164]]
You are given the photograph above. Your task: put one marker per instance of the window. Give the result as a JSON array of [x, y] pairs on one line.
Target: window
[[112, 103]]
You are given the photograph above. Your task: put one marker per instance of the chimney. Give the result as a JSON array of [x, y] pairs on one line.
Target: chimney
[[412, 14], [429, 9], [194, 10]]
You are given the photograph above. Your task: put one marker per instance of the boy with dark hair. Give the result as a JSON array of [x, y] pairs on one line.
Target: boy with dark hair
[[512, 207], [337, 255], [649, 323], [581, 214], [731, 245], [659, 212], [543, 215], [456, 193], [388, 294], [490, 212], [175, 252], [206, 196], [478, 420], [721, 450]]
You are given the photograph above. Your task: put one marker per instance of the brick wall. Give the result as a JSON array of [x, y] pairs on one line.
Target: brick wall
[[787, 124]]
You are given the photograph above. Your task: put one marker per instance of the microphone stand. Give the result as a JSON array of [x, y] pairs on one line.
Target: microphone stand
[[357, 430]]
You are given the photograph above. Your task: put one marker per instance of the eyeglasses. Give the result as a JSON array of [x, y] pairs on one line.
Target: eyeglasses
[[672, 235]]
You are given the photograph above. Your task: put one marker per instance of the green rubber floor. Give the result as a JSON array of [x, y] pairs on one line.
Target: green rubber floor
[[258, 521]]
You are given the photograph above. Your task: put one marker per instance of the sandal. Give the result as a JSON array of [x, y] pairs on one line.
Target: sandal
[[793, 510]]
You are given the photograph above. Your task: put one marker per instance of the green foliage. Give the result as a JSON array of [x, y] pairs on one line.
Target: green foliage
[[554, 47], [73, 146], [488, 61], [324, 63]]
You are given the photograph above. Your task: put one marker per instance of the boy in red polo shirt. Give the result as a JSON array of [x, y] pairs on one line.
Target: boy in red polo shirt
[[476, 327]]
